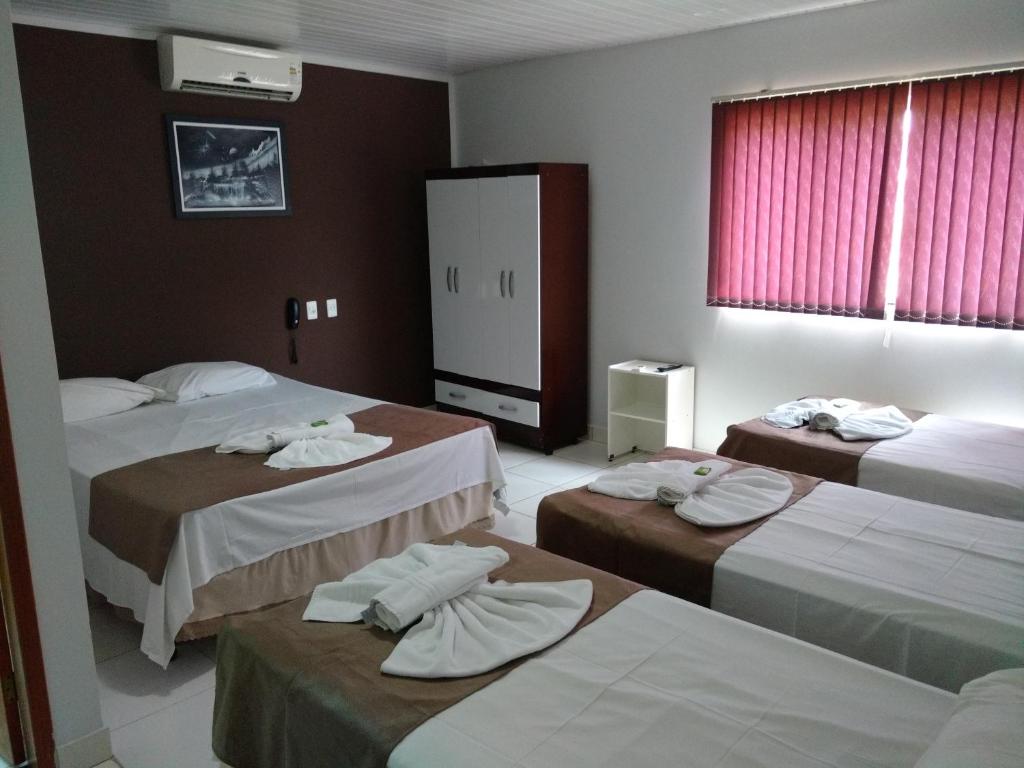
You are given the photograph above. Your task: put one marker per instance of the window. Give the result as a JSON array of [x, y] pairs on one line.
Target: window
[[963, 214], [809, 192]]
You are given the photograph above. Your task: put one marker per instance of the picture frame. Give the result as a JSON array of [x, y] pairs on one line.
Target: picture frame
[[227, 167]]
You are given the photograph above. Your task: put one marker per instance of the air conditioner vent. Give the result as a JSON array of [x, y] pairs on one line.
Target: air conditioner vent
[[250, 91]]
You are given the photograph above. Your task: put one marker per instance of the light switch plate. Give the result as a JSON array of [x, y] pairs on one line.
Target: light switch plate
[[332, 307], [311, 311]]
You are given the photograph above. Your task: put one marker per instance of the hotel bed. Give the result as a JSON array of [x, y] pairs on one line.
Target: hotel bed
[[646, 680], [970, 465], [245, 550], [933, 593]]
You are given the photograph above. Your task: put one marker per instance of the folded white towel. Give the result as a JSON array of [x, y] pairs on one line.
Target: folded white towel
[[738, 497], [471, 633], [326, 451], [404, 602], [267, 439], [874, 424], [640, 481], [489, 626], [798, 412]]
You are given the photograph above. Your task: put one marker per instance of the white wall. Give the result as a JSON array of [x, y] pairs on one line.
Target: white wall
[[30, 377], [640, 116]]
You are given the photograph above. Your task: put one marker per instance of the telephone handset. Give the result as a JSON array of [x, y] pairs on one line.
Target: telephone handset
[[291, 314], [291, 322]]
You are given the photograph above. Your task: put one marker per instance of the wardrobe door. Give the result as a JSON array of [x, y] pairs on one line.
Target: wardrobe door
[[523, 222], [454, 232], [494, 276]]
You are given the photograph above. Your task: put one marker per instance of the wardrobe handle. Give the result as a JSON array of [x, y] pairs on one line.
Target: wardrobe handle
[[503, 283], [457, 396], [448, 279], [503, 407], [512, 284], [456, 279]]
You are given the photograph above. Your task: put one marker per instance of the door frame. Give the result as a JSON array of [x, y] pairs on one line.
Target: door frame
[[38, 729]]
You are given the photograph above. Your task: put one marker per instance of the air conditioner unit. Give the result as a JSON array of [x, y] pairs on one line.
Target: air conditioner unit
[[227, 69]]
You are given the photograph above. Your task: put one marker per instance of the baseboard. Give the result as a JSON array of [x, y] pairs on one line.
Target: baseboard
[[597, 434], [85, 752]]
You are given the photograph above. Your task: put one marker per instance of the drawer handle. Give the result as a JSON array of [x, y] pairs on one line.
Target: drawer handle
[[456, 396], [512, 284], [504, 407], [448, 279], [456, 279], [503, 283]]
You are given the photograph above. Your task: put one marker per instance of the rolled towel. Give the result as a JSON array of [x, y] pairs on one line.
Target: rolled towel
[[823, 421], [459, 570], [640, 481], [267, 439]]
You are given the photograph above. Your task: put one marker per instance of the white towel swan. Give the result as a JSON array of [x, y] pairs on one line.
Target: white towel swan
[[713, 498], [460, 633], [320, 443], [798, 412], [874, 424], [640, 481]]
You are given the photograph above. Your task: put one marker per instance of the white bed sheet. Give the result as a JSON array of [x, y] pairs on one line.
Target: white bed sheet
[[242, 531], [660, 682], [933, 593], [965, 464]]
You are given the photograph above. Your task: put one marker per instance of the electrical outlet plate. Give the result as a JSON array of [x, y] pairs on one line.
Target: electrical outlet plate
[[311, 311], [332, 307]]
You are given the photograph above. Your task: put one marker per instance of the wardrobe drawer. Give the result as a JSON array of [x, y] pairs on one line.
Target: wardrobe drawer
[[511, 409], [469, 398], [488, 403]]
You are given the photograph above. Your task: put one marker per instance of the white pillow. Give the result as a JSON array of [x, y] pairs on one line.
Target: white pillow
[[91, 398], [986, 728], [190, 381]]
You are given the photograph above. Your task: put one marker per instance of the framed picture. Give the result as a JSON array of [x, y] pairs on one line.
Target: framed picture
[[227, 168]]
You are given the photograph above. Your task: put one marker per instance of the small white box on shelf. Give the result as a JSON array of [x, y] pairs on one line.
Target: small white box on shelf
[[649, 409]]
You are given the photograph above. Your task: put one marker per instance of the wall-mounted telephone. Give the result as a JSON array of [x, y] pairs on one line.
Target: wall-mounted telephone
[[291, 322], [291, 314]]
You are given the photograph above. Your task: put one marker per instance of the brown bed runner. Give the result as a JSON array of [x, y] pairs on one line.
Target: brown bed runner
[[135, 511], [294, 693], [642, 540], [800, 449]]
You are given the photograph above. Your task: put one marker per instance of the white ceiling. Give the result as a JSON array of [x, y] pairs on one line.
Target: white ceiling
[[425, 37]]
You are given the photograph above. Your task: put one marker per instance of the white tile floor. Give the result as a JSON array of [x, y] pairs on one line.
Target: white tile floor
[[159, 719]]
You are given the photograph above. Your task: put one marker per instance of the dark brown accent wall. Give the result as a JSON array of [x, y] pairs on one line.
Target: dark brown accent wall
[[133, 289]]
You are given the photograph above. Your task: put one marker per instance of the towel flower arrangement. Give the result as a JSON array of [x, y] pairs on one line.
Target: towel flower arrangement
[[842, 417], [459, 624], [320, 443], [700, 492]]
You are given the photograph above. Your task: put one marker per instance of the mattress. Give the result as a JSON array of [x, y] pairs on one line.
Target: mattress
[[242, 531], [959, 463], [657, 681], [930, 592]]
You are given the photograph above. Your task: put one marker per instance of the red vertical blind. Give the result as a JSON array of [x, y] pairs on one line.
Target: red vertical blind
[[801, 201], [960, 253]]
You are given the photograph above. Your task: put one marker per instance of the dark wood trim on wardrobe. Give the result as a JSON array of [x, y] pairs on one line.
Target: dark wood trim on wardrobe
[[510, 431], [508, 390], [40, 726], [564, 301], [492, 171]]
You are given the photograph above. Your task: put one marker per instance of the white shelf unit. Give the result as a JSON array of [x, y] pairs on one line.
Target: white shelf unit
[[649, 409]]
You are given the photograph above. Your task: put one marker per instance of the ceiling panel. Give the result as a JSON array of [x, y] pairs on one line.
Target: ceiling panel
[[431, 37]]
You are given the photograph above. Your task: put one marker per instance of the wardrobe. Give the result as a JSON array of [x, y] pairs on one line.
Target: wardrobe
[[509, 291]]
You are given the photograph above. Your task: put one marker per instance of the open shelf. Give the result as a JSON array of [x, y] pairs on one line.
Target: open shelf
[[649, 409]]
